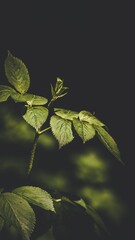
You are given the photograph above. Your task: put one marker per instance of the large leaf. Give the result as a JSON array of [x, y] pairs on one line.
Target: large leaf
[[66, 114], [1, 223], [17, 212], [88, 117], [61, 129], [17, 73], [36, 116], [84, 129], [108, 141], [5, 92], [36, 196]]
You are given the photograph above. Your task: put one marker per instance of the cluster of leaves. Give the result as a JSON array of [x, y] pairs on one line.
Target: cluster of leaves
[[15, 210], [85, 123], [14, 206]]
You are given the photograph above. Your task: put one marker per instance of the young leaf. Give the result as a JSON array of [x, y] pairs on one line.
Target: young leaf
[[59, 85], [84, 129], [4, 93], [61, 129], [108, 141], [17, 212], [66, 114], [1, 223], [36, 116], [36, 196], [17, 73], [88, 117]]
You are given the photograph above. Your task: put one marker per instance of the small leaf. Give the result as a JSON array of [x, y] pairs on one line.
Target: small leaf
[[4, 93], [59, 85], [66, 114], [17, 73], [36, 196], [36, 116], [17, 212], [61, 129], [1, 223], [108, 141], [17, 97], [84, 129], [37, 100], [88, 117], [52, 91]]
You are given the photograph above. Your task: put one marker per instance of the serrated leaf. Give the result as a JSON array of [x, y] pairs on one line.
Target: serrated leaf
[[36, 196], [84, 129], [88, 117], [1, 223], [4, 93], [37, 100], [17, 73], [36, 116], [17, 212], [62, 130], [108, 141], [66, 114]]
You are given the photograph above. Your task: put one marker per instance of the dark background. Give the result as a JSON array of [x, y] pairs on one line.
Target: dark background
[[91, 48]]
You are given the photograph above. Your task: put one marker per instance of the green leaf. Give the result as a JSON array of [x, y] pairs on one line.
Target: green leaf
[[17, 97], [108, 141], [1, 223], [52, 91], [36, 116], [5, 92], [61, 128], [88, 117], [59, 85], [31, 99], [17, 212], [17, 73], [37, 100], [66, 114], [36, 196], [84, 129]]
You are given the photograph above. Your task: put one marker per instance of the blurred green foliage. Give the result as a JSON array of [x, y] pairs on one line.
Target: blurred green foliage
[[87, 174]]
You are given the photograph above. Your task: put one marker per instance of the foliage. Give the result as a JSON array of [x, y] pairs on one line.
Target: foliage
[[15, 209]]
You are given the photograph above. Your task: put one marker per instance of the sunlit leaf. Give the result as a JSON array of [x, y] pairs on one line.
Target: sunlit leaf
[[88, 117], [17, 97], [66, 114], [37, 100], [17, 73], [61, 129], [108, 141], [1, 223], [17, 212], [36, 196], [36, 116], [84, 129], [4, 93]]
